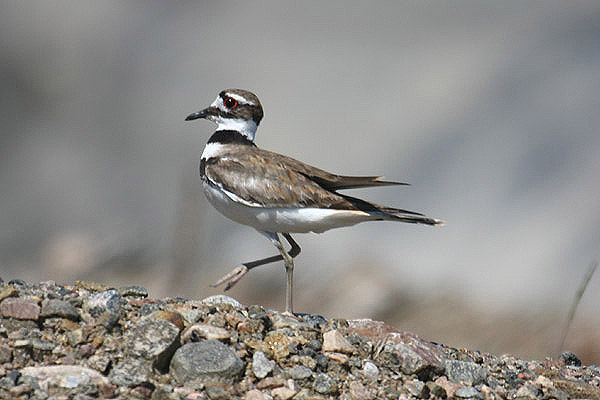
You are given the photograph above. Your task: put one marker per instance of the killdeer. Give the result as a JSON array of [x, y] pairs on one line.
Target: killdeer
[[276, 194]]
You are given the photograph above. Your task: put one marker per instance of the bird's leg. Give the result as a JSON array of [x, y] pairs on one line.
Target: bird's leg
[[238, 273], [289, 269]]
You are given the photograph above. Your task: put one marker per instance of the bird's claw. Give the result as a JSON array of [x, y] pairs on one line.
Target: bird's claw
[[231, 278]]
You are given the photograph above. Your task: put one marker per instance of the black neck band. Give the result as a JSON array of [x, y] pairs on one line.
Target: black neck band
[[227, 137]]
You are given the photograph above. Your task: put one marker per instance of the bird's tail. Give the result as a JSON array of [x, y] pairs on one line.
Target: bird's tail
[[411, 217], [390, 213]]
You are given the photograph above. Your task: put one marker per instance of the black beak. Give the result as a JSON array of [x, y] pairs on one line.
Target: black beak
[[200, 114]]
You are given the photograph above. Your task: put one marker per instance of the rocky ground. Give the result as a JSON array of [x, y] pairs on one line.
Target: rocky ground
[[88, 341]]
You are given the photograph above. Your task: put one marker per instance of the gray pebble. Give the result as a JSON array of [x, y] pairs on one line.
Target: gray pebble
[[370, 370], [148, 309], [261, 366], [59, 308], [414, 387], [108, 300], [209, 360], [6, 383], [465, 372], [5, 354], [131, 371], [154, 339], [325, 384], [316, 321], [222, 299], [570, 358], [468, 392], [299, 372], [192, 316], [137, 291]]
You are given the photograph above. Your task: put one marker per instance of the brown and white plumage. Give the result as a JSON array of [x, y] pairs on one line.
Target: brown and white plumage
[[274, 193]]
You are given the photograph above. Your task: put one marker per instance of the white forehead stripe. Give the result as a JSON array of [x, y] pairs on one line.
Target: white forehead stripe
[[240, 99]]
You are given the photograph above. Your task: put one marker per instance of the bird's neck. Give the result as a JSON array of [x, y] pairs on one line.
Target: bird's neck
[[230, 137], [244, 126]]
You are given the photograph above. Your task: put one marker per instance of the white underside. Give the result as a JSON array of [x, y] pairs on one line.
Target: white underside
[[290, 220]]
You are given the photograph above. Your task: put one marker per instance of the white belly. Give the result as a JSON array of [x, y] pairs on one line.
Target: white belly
[[290, 220]]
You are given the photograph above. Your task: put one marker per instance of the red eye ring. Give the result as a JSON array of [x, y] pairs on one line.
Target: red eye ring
[[230, 102]]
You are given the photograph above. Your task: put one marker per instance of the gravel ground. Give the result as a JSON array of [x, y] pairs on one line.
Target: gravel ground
[[89, 341]]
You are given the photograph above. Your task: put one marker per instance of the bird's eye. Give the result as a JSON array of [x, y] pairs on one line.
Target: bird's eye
[[230, 102]]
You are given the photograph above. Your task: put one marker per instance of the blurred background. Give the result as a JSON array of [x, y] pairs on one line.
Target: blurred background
[[489, 109]]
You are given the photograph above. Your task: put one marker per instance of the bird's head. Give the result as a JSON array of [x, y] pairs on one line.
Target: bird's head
[[234, 109]]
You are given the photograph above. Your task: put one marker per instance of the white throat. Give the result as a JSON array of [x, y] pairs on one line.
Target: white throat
[[245, 127]]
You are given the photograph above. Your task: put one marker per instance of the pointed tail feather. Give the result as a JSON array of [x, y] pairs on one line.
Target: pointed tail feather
[[412, 219], [341, 182], [392, 214]]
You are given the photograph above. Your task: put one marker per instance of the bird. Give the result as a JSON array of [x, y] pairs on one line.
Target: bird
[[276, 194]]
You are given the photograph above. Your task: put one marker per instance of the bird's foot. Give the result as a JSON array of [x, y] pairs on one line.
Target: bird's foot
[[231, 278]]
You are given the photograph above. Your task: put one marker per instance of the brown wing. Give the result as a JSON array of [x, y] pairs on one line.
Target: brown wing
[[326, 179], [274, 180], [270, 181]]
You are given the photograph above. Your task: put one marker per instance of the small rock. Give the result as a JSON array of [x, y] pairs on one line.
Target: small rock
[[299, 372], [149, 308], [400, 349], [414, 387], [222, 299], [339, 357], [108, 300], [283, 393], [544, 381], [131, 372], [448, 387], [528, 392], [261, 366], [286, 321], [20, 390], [213, 392], [173, 317], [325, 384], [8, 292], [87, 350], [68, 325], [19, 308], [465, 372], [436, 390], [336, 342], [191, 316], [9, 381], [136, 291], [207, 360], [108, 319], [99, 362], [359, 392], [205, 331], [270, 382], [468, 392], [370, 370], [65, 376], [5, 354], [59, 308], [255, 395], [316, 321], [570, 358], [42, 345], [76, 337], [153, 339], [277, 344]]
